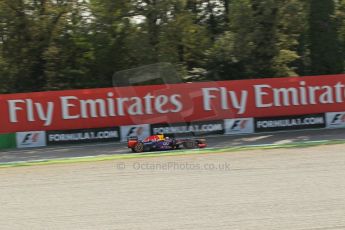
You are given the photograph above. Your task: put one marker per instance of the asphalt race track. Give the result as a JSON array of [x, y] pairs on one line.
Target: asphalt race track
[[68, 151]]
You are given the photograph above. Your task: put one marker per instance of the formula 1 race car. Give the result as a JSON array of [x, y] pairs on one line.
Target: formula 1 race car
[[159, 143]]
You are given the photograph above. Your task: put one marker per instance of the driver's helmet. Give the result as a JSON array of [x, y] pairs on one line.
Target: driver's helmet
[[160, 136], [167, 138]]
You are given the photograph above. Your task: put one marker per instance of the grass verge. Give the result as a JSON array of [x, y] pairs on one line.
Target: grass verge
[[169, 153]]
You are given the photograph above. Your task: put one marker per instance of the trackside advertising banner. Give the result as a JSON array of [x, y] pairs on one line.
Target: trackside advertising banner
[[290, 122], [172, 103], [335, 120], [31, 139], [140, 131], [194, 128], [83, 136], [239, 126]]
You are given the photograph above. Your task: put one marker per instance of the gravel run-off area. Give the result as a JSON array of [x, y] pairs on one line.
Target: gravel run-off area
[[299, 188]]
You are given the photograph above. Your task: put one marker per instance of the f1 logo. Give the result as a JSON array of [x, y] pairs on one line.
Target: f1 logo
[[338, 118], [135, 131], [140, 131], [30, 138], [239, 124]]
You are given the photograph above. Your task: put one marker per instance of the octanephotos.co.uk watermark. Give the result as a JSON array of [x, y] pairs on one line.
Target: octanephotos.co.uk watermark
[[173, 166]]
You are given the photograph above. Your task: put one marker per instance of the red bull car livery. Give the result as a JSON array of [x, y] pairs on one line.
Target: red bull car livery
[[160, 143]]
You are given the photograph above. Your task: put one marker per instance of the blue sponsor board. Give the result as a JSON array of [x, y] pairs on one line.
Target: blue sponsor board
[[308, 121], [189, 128], [83, 136]]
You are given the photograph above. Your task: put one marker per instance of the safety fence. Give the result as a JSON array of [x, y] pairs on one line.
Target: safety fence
[[217, 127]]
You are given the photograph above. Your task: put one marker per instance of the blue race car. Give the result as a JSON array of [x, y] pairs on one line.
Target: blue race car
[[159, 143]]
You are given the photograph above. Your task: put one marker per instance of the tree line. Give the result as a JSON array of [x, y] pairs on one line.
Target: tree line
[[70, 44]]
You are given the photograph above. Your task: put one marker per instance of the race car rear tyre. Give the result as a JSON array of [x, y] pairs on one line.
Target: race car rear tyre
[[189, 144], [138, 148]]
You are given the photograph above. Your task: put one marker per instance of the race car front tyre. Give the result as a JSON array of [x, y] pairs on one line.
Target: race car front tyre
[[189, 144]]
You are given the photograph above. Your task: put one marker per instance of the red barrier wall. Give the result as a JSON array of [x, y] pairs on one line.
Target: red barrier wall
[[74, 109]]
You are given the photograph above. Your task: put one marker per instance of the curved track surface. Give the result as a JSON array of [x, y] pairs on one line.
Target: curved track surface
[[213, 142]]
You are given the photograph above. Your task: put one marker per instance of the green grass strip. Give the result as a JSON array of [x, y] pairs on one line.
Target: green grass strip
[[170, 153]]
